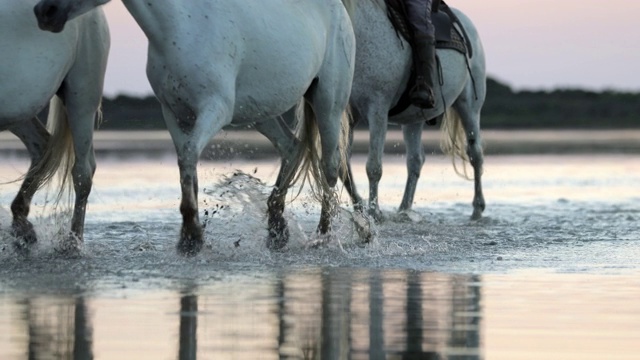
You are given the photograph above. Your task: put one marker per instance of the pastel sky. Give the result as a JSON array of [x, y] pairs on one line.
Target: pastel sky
[[530, 44]]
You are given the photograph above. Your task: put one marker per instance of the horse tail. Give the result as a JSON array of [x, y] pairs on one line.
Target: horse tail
[[454, 141], [309, 152], [59, 155]]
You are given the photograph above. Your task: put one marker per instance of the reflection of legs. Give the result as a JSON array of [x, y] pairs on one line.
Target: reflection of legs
[[419, 16], [34, 136], [415, 336], [83, 331], [336, 316], [376, 317], [188, 327]]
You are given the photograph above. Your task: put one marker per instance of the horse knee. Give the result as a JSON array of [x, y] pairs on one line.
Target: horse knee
[[474, 146], [414, 164], [82, 178], [374, 171]]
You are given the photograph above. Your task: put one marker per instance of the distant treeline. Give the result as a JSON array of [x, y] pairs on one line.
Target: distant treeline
[[503, 109]]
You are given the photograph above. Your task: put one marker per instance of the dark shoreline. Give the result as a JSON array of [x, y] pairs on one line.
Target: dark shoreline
[[251, 145]]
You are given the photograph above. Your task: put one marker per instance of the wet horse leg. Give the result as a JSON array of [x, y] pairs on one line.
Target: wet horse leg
[[34, 136], [378, 123], [277, 224], [415, 159], [329, 126], [191, 133], [83, 170], [287, 146], [346, 175], [471, 123]]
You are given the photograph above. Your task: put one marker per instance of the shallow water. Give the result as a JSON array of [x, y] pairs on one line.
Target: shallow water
[[550, 272]]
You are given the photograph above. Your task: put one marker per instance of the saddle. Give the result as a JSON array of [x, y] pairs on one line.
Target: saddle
[[448, 36]]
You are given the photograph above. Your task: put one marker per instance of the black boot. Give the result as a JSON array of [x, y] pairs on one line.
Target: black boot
[[422, 94]]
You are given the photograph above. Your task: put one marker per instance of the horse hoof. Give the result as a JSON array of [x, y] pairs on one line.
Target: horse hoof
[[22, 247], [409, 216], [477, 215], [278, 240], [24, 233], [320, 241], [191, 241], [376, 215], [364, 228], [189, 248], [70, 248]]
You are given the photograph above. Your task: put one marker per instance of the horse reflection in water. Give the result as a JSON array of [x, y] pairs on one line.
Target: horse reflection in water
[[214, 63], [65, 71], [60, 326], [324, 314], [412, 316]]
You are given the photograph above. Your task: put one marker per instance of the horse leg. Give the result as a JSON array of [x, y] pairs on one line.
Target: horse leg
[[277, 224], [377, 137], [329, 118], [471, 124], [81, 123], [287, 146], [346, 175], [191, 133], [34, 136], [415, 159]]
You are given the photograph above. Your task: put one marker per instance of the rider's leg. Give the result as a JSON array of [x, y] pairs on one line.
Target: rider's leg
[[419, 16]]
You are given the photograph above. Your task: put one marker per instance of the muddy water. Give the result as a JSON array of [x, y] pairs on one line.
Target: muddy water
[[550, 272]]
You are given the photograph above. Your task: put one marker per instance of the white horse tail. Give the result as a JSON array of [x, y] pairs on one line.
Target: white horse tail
[[310, 150], [454, 141], [59, 155]]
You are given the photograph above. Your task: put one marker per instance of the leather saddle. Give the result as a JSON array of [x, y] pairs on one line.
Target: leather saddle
[[447, 35]]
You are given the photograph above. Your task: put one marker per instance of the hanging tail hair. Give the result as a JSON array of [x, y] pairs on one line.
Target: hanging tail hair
[[59, 155], [309, 158], [453, 142]]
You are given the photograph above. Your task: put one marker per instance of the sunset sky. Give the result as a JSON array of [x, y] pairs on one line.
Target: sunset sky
[[530, 44]]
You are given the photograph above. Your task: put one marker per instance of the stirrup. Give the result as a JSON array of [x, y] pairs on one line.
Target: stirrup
[[423, 98]]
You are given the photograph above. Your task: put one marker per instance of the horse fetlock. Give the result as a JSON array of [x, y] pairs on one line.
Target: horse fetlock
[[191, 240], [278, 234], [478, 209], [375, 212], [24, 232], [364, 227]]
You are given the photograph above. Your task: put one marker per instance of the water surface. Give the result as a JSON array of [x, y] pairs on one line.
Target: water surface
[[550, 272]]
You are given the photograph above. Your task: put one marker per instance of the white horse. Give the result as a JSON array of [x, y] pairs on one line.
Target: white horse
[[63, 70], [213, 63], [383, 66]]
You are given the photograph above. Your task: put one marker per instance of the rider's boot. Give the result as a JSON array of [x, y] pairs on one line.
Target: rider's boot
[[422, 94]]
